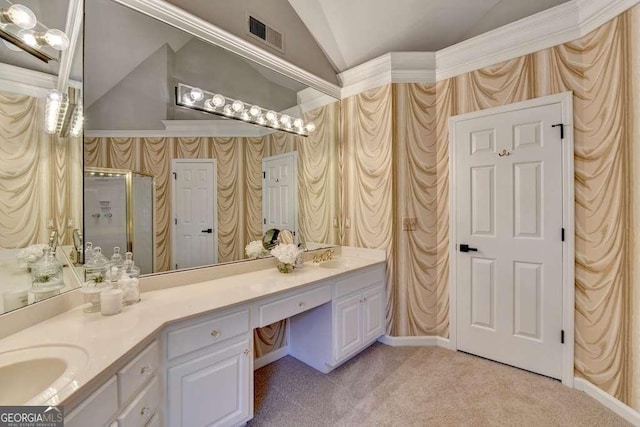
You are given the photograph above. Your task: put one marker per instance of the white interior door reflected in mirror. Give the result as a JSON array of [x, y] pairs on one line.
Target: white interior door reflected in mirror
[[195, 234], [279, 192]]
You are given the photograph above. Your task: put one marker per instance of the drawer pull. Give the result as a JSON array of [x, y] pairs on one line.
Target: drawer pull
[[146, 411], [216, 333], [246, 351], [301, 304], [146, 370]]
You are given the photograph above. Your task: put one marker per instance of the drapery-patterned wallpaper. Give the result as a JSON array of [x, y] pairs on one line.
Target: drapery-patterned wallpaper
[[395, 142], [40, 176], [239, 182]]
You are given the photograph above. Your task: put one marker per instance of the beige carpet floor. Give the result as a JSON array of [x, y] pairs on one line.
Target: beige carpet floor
[[418, 386]]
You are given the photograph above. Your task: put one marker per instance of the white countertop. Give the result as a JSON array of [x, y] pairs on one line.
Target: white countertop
[[108, 341]]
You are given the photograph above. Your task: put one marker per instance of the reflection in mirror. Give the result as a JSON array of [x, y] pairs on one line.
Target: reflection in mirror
[[219, 184], [40, 173]]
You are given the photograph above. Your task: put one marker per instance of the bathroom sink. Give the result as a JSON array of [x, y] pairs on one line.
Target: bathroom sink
[[33, 375], [338, 263]]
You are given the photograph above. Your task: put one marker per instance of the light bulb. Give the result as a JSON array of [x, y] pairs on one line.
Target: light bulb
[[311, 127], [54, 95], [12, 46], [285, 120], [227, 110], [56, 39], [244, 116], [260, 120], [186, 98], [298, 123], [209, 105], [237, 106], [218, 100], [21, 16], [29, 37], [196, 94], [254, 111], [271, 115]]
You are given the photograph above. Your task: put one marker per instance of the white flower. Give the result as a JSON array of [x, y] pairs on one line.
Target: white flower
[[31, 253], [254, 249], [286, 253]]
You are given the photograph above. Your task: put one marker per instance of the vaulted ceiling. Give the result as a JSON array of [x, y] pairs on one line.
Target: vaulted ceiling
[[351, 32]]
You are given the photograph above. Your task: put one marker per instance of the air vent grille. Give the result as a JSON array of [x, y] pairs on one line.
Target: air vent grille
[[261, 30]]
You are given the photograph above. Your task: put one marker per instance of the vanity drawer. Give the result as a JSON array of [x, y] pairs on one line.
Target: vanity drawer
[[359, 281], [96, 410], [137, 372], [143, 407], [200, 335], [290, 306]]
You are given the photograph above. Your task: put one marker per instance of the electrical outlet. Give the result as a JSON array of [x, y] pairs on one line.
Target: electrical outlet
[[347, 223], [409, 224]]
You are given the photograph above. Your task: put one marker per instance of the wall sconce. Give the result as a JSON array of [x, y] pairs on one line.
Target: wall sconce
[[21, 31], [197, 99], [63, 113]]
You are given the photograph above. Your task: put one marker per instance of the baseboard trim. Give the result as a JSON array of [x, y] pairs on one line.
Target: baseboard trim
[[270, 357], [610, 402], [423, 341]]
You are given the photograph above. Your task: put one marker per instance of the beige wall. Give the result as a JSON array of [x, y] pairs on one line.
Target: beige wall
[[395, 142], [41, 176]]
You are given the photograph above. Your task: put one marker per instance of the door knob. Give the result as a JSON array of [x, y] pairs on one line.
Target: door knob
[[208, 230], [465, 248]]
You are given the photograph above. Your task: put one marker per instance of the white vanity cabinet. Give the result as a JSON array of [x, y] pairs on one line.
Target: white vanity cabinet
[[329, 335], [133, 397], [210, 370]]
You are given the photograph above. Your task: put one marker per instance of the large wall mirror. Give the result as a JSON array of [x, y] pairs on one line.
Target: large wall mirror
[[182, 178], [40, 171]]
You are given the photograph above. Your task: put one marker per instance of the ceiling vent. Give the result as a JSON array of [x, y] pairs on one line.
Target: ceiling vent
[[267, 34]]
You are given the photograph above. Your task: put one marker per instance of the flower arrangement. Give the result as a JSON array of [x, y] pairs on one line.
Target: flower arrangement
[[255, 249], [31, 254], [286, 255]]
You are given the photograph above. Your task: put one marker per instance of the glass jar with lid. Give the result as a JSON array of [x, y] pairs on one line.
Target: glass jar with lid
[[117, 264], [46, 273], [96, 279], [128, 281]]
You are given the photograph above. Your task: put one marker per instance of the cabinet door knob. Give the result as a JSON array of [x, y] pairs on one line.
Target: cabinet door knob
[[364, 300], [146, 370], [246, 351], [301, 304], [215, 333], [146, 411]]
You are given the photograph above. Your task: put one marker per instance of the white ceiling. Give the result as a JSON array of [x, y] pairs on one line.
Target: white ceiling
[[352, 32]]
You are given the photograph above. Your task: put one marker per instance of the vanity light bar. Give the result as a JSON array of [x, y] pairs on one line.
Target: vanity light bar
[[55, 111], [77, 121], [197, 99], [21, 31]]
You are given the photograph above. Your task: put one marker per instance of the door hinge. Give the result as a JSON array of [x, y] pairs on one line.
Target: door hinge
[[562, 336], [175, 221], [264, 221], [294, 233], [264, 175], [176, 266], [175, 175], [563, 234], [561, 125]]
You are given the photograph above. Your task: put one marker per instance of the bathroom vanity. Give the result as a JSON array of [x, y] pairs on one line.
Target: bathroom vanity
[[184, 355]]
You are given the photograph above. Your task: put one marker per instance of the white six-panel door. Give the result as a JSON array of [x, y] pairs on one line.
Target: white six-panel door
[[195, 234], [509, 206], [279, 192]]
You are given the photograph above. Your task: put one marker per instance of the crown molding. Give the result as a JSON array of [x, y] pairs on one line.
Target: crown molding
[[561, 24], [310, 99], [179, 18], [26, 82], [393, 67], [187, 128], [75, 17]]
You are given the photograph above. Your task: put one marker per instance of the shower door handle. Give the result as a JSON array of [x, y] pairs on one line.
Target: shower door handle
[[208, 230]]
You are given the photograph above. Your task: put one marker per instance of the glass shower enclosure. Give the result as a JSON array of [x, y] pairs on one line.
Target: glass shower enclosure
[[119, 211]]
